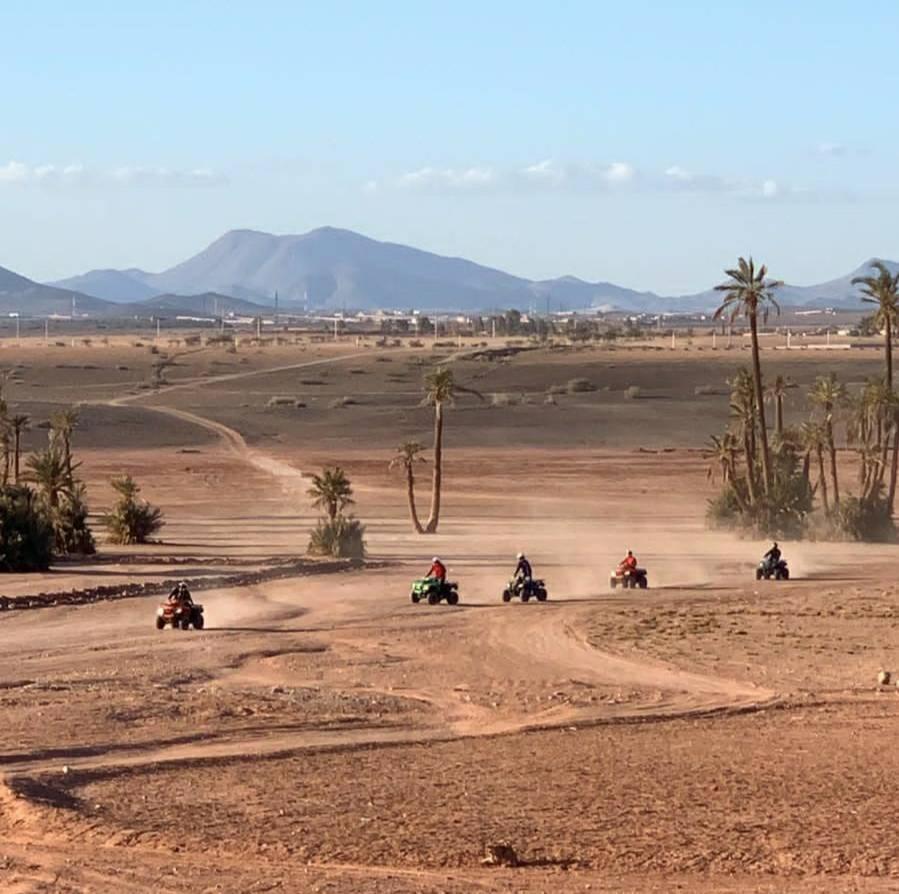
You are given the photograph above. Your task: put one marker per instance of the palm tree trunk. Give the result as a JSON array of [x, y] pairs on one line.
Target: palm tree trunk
[[779, 417], [832, 450], [16, 453], [806, 465], [888, 350], [759, 400], [750, 466], [410, 492], [894, 468], [822, 479], [437, 478]]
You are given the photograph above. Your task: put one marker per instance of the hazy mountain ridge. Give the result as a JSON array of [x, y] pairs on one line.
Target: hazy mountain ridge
[[333, 269]]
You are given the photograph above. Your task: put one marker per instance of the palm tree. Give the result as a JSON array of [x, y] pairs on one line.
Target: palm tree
[[776, 392], [742, 409], [62, 425], [882, 290], [830, 394], [332, 492], [749, 293], [18, 424], [407, 454], [440, 389], [814, 442], [48, 471]]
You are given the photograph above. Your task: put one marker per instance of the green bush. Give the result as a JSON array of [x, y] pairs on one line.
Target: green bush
[[26, 534], [132, 520], [71, 534], [342, 538]]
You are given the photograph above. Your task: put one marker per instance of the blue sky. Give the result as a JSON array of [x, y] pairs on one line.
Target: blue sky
[[645, 143]]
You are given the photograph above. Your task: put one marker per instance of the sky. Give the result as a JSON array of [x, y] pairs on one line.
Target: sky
[[643, 143]]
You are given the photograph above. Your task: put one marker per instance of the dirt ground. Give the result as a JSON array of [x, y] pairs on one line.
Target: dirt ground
[[709, 734]]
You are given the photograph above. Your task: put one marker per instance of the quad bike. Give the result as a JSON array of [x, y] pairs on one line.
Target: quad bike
[[432, 591], [525, 589], [179, 614], [629, 578], [767, 569]]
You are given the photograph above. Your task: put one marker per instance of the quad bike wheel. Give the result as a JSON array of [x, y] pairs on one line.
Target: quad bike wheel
[[452, 597], [160, 623], [185, 623], [199, 622], [642, 583], [416, 598], [613, 582], [758, 573], [507, 596], [433, 598], [541, 595], [525, 596]]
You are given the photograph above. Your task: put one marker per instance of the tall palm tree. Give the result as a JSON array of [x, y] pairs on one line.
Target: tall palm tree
[[407, 455], [742, 410], [749, 293], [883, 290], [776, 392], [814, 442], [18, 424], [829, 394], [62, 425], [332, 492], [48, 471], [441, 390]]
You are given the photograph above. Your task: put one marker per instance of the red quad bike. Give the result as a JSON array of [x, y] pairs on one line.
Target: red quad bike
[[628, 578], [179, 615]]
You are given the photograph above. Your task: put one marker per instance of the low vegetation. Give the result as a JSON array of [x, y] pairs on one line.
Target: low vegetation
[[132, 519], [335, 534]]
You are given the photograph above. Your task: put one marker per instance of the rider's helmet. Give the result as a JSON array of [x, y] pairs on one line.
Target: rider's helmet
[[435, 560], [520, 556], [775, 545], [629, 553]]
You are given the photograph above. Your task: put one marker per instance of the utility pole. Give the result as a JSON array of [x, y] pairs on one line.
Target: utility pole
[[157, 329], [16, 315]]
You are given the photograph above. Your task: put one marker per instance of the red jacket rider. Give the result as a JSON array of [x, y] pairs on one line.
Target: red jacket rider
[[628, 563], [438, 570]]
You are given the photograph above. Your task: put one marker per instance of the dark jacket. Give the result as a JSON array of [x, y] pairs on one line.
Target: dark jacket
[[523, 569]]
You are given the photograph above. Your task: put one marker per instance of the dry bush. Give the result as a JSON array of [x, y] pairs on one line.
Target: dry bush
[[503, 400], [576, 386], [339, 402], [632, 392]]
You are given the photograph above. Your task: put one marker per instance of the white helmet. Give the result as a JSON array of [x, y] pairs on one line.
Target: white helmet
[[520, 556], [435, 559]]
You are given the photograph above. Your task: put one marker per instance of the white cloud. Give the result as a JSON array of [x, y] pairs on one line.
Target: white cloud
[[70, 174], [619, 172], [832, 150], [13, 172], [770, 189], [448, 178]]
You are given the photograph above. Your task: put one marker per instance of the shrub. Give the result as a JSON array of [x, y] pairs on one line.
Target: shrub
[[71, 534], [342, 538], [576, 386], [503, 400], [281, 401], [869, 520], [339, 402], [632, 392], [26, 535], [557, 389], [131, 520]]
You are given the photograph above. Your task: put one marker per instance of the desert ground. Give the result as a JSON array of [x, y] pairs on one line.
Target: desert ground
[[324, 734]]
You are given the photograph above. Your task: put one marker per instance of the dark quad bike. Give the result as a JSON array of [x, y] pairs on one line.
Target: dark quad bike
[[179, 615], [433, 591], [526, 590], [629, 580], [767, 569]]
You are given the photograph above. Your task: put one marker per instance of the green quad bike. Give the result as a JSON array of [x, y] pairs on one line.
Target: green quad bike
[[433, 591], [525, 590]]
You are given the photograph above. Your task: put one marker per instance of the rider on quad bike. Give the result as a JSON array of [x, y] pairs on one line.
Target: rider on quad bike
[[772, 557], [628, 563], [180, 595], [438, 570], [523, 571]]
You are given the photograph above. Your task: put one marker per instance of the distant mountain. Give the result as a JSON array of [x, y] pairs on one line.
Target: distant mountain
[[18, 294], [209, 304], [330, 269], [124, 286]]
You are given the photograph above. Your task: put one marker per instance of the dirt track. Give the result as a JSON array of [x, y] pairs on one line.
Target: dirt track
[[325, 734]]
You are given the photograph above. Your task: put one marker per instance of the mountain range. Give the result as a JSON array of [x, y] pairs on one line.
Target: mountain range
[[330, 269]]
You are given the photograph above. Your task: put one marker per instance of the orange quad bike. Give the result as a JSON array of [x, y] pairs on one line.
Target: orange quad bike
[[628, 578], [179, 615]]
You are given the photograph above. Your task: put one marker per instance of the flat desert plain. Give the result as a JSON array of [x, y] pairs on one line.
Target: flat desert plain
[[323, 733]]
